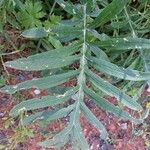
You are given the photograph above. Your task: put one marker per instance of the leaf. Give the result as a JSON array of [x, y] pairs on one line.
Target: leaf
[[111, 90], [37, 116], [30, 14], [59, 52], [146, 60], [109, 12], [42, 102], [37, 103], [104, 104], [56, 43], [48, 116], [19, 4], [71, 22], [90, 4], [98, 52], [59, 139], [47, 60], [30, 64], [124, 43], [134, 64], [76, 130], [79, 137], [101, 37], [67, 32], [94, 121], [35, 33], [69, 7], [119, 72], [41, 83], [60, 113], [2, 81]]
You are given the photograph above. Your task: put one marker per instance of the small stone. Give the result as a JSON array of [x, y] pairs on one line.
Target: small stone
[[112, 127], [107, 147], [37, 92], [148, 90], [124, 126], [15, 86], [2, 115]]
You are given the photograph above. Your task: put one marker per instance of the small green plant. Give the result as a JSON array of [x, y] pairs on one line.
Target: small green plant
[[7, 11], [30, 14], [21, 133], [88, 47]]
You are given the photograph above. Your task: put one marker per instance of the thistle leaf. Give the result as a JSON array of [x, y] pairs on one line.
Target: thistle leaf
[[31, 64], [48, 116], [104, 104], [124, 43], [35, 33], [42, 102], [111, 90], [94, 121], [119, 72], [41, 83]]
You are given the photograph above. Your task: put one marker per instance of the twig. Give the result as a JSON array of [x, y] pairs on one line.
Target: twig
[[5, 69]]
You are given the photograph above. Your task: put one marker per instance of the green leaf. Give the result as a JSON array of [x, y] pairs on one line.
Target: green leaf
[[104, 104], [56, 43], [63, 112], [48, 116], [98, 52], [69, 7], [67, 32], [91, 4], [42, 102], [79, 137], [124, 43], [109, 12], [2, 81], [47, 60], [59, 52], [30, 64], [94, 121], [111, 90], [30, 14], [119, 72], [59, 139], [146, 60], [101, 37], [37, 116], [35, 33], [41, 83]]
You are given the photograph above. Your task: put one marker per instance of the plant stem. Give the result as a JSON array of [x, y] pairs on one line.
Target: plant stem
[[83, 62], [52, 9], [81, 78], [130, 23], [5, 69]]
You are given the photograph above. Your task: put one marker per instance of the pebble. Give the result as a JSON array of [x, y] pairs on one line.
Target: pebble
[[1, 115], [124, 126], [37, 92], [107, 147], [148, 90]]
